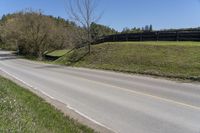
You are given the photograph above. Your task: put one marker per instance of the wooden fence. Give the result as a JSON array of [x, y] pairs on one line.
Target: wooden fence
[[153, 36]]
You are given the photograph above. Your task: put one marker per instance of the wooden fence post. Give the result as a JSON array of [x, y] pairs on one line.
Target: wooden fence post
[[140, 36], [127, 38], [157, 36], [177, 36]]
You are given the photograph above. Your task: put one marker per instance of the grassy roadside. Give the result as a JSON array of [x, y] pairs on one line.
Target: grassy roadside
[[167, 59], [24, 112]]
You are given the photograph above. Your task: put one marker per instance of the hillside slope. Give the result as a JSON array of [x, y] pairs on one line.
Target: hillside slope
[[168, 59]]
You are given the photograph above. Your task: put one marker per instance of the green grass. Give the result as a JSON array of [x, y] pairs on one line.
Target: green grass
[[167, 59], [58, 53], [23, 112], [161, 43]]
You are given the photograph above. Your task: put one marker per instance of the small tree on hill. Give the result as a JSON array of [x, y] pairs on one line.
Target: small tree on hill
[[83, 12]]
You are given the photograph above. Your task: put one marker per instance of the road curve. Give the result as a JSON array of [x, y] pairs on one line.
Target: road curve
[[124, 103]]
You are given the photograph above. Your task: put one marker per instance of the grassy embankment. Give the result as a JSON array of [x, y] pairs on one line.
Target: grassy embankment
[[167, 59], [22, 111], [57, 53]]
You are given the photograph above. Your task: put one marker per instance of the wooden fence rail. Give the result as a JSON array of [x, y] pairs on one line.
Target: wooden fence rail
[[153, 36]]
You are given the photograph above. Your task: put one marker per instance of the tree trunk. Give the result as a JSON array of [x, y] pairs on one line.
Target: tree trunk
[[89, 41]]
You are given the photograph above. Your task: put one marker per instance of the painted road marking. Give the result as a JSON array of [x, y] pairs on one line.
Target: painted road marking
[[68, 106]]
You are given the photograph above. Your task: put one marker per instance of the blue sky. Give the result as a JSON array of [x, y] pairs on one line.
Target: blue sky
[[123, 13]]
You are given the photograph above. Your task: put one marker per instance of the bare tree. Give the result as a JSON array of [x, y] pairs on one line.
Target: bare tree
[[83, 12], [33, 33]]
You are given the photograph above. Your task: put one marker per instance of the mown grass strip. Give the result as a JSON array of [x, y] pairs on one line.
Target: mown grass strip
[[160, 43]]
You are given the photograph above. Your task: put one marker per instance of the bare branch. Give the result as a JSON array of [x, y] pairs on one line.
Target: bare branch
[[83, 12]]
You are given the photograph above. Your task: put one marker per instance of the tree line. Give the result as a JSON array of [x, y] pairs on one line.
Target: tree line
[[147, 28], [33, 33]]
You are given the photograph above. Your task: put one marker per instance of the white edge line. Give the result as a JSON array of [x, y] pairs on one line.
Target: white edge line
[[68, 106], [87, 117]]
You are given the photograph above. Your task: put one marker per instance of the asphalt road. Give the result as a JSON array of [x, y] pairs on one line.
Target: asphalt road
[[124, 103]]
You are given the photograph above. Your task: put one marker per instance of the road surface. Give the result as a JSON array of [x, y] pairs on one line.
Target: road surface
[[123, 103]]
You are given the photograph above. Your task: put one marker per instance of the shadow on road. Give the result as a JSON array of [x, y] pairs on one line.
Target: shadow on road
[[7, 57]]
